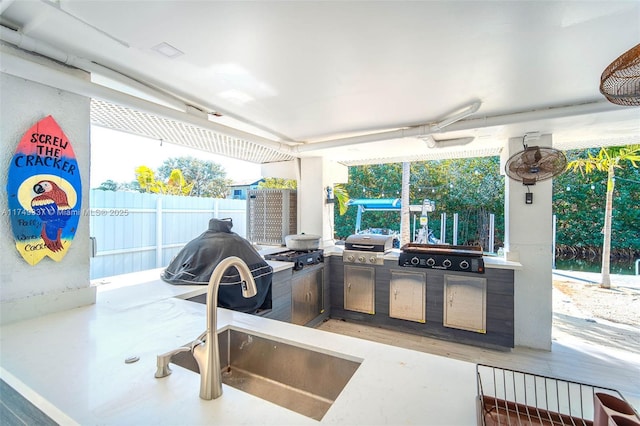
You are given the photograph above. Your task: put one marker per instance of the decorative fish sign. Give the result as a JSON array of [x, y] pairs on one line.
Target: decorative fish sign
[[45, 193]]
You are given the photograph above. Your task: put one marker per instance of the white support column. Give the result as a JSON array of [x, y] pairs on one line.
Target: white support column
[[315, 215], [528, 240]]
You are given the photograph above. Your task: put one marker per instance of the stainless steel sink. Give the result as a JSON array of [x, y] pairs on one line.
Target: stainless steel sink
[[300, 379]]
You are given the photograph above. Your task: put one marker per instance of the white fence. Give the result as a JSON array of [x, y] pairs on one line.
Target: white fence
[[133, 232]]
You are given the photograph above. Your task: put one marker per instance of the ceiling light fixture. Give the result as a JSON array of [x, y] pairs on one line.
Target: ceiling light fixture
[[446, 143], [167, 50]]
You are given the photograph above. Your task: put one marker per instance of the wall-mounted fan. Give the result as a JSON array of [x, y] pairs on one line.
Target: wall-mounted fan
[[620, 81], [535, 163]]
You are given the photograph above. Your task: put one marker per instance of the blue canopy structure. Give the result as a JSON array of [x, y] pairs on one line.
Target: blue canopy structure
[[376, 204]]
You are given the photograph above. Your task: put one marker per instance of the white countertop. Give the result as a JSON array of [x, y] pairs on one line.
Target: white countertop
[[72, 366]]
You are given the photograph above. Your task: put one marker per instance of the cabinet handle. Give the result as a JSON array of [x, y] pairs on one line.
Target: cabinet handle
[[395, 293]]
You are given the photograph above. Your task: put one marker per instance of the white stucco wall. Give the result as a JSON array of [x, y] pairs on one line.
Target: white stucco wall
[[529, 240], [28, 291], [315, 215]]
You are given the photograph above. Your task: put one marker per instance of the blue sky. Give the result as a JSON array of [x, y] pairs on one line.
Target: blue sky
[[115, 155]]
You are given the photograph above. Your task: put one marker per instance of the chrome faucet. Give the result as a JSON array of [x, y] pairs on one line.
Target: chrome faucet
[[163, 361], [163, 369], [206, 353]]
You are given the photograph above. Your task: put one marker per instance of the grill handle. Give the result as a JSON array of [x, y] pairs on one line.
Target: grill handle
[[360, 246]]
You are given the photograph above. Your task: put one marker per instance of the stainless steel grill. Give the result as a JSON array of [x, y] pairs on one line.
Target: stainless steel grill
[[367, 248]]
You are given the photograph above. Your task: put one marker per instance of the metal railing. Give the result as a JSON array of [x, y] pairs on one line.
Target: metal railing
[[510, 397]]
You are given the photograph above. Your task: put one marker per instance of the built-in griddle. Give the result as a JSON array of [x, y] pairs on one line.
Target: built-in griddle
[[442, 256]]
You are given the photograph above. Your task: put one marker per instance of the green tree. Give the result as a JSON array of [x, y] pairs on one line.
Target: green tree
[[175, 184], [146, 178], [371, 181], [471, 187], [607, 159], [579, 204], [134, 185], [342, 196], [208, 178], [108, 185], [278, 183]]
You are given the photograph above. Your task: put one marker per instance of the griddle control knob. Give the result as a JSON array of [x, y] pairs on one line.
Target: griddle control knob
[[351, 258], [361, 259], [431, 261], [446, 263], [372, 259], [415, 260], [464, 265]]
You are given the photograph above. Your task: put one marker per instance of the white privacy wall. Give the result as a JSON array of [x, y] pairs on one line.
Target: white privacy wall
[[28, 291], [134, 232]]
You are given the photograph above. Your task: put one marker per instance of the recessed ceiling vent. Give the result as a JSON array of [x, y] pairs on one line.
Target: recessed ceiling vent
[[620, 81]]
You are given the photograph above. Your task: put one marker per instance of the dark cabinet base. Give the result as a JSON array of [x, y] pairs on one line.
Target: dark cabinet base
[[499, 333], [284, 291]]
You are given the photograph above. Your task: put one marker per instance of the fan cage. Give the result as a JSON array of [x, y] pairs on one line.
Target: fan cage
[[620, 81], [517, 168]]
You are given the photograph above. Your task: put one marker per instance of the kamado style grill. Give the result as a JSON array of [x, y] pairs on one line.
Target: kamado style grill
[[367, 248], [440, 256]]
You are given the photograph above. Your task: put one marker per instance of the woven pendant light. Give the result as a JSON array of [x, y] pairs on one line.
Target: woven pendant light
[[620, 81]]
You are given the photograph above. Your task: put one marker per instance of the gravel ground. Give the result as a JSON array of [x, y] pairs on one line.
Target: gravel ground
[[618, 304], [605, 318]]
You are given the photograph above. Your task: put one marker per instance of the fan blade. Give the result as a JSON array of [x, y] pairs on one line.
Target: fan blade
[[531, 155], [553, 163]]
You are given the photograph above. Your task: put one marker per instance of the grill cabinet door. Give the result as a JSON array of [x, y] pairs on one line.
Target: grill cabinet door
[[465, 302], [306, 294], [407, 296], [359, 289]]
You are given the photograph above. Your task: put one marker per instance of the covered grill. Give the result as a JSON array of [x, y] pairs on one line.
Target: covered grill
[[195, 263]]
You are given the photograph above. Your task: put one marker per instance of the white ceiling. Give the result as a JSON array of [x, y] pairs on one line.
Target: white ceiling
[[306, 72]]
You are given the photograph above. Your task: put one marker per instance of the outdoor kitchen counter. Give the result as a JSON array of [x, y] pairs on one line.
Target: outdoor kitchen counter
[[497, 262], [71, 364]]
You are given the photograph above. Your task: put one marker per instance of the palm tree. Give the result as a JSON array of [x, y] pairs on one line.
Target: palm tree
[[342, 196], [608, 159]]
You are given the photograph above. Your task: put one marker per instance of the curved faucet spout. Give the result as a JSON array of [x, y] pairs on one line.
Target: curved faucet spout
[[207, 353]]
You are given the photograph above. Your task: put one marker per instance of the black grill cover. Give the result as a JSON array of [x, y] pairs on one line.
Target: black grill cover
[[195, 263]]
